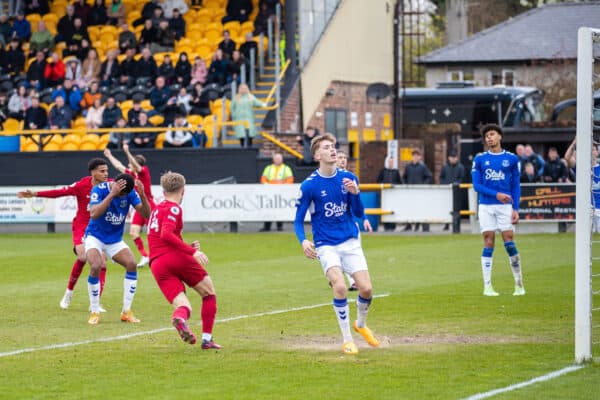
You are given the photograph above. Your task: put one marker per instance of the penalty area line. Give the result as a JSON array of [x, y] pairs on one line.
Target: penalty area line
[[154, 331], [510, 388]]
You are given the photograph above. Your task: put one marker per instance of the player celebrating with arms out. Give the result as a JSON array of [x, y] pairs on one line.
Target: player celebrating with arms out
[[496, 176], [98, 169], [330, 194], [139, 170], [175, 263], [109, 205]]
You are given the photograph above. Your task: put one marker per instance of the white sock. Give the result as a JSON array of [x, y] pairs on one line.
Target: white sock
[[486, 268], [129, 286], [206, 336], [362, 309], [69, 292], [342, 312], [515, 266], [94, 294]]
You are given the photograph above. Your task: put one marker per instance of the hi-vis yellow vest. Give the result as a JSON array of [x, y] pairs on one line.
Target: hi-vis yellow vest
[[277, 174]]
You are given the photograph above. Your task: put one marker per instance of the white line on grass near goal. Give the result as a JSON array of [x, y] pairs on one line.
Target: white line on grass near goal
[[516, 386], [153, 331]]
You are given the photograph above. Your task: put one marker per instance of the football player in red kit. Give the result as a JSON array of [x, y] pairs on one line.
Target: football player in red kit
[[175, 263], [140, 171], [81, 189]]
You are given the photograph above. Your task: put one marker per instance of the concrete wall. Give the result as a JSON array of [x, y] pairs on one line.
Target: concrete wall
[[356, 47]]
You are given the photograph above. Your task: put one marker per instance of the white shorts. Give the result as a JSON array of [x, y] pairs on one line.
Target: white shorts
[[90, 242], [348, 255], [495, 217], [596, 221]]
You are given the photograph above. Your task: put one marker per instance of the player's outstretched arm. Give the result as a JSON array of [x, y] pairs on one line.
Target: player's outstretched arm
[[115, 163], [26, 194], [134, 164]]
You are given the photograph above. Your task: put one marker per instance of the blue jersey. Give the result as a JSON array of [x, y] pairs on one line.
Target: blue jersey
[[109, 227], [596, 186], [494, 173], [331, 208]]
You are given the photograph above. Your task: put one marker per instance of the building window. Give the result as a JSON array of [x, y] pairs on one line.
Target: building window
[[454, 76], [496, 77], [508, 77], [336, 123]]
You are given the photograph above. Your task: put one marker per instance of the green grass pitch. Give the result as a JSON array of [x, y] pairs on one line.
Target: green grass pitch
[[441, 339]]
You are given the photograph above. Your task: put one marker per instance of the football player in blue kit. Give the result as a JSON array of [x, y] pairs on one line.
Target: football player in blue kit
[[495, 176]]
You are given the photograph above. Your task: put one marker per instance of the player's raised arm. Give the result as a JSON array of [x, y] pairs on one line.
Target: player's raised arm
[[144, 207], [115, 163], [134, 164]]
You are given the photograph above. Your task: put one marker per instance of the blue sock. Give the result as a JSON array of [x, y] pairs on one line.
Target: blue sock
[[487, 252], [511, 248]]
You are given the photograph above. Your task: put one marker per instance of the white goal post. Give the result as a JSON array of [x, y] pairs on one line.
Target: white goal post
[[583, 233]]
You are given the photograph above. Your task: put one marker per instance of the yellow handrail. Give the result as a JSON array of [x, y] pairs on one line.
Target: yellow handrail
[[282, 145], [272, 92]]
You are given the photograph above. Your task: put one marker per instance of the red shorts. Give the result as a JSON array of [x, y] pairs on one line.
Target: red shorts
[[172, 270], [137, 219], [77, 235]]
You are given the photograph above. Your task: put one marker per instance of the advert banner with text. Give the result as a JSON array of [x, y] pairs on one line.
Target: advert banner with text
[[547, 202]]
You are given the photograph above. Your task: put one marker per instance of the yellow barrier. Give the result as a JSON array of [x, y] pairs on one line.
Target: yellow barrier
[[377, 211]]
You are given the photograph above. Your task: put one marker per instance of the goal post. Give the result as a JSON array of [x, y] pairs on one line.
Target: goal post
[[584, 213]]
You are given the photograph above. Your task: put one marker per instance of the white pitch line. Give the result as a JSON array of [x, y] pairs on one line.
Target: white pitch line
[[153, 331], [516, 386]]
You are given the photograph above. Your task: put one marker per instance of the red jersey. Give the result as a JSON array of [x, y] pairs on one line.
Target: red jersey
[[81, 190], [144, 177], [164, 231]]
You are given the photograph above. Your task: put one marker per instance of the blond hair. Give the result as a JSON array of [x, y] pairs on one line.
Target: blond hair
[[172, 182], [314, 144]]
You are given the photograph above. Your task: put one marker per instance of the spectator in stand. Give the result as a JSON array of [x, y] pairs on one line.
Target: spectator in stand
[[159, 95], [305, 141], [146, 68], [167, 70], [60, 116], [84, 50], [179, 133], [98, 15], [271, 4], [452, 172], [3, 107], [65, 26], [276, 173], [237, 10], [72, 50], [571, 160], [111, 113], [148, 34], [70, 94], [171, 110], [14, 58], [248, 45], [169, 7], [79, 32], [90, 70], [227, 44], [127, 38], [116, 140], [93, 118], [184, 99], [73, 71], [217, 73], [555, 169], [4, 29], [147, 12], [389, 174], [199, 71], [110, 70], [128, 69], [242, 109], [35, 116], [115, 12], [417, 173], [35, 72], [183, 70], [157, 16], [534, 158], [41, 40], [54, 71], [133, 115], [90, 96], [529, 174], [165, 38], [143, 140], [18, 103], [21, 28], [235, 67], [199, 103], [261, 22], [82, 10], [520, 152], [36, 7], [177, 24]]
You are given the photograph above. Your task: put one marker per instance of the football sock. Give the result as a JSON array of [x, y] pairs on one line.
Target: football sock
[[75, 273], [362, 309], [208, 313], [129, 285], [515, 262], [486, 265], [139, 243], [340, 306], [182, 312], [102, 279], [94, 293]]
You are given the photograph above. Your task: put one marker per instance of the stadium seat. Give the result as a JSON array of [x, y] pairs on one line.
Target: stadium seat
[[54, 144], [33, 21], [159, 140], [156, 120], [203, 17], [104, 139], [218, 14], [90, 142], [132, 16], [94, 33], [51, 19], [233, 27], [195, 120], [146, 105], [11, 124], [246, 27], [213, 35], [30, 146], [79, 122], [71, 142]]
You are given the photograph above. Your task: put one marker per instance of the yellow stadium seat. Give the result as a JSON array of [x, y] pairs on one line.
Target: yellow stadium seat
[[90, 142], [12, 124], [195, 35], [160, 139], [132, 16], [30, 147], [203, 16], [218, 14], [71, 142], [79, 122], [189, 18], [54, 144], [195, 120], [50, 19], [94, 33], [104, 139], [204, 50], [146, 105], [33, 21], [213, 36], [156, 120], [247, 26], [233, 27]]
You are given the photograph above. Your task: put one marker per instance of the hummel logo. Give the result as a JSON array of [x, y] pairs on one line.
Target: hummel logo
[[342, 315], [95, 293], [323, 193]]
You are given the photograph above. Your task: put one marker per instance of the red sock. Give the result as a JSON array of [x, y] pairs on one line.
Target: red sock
[[102, 279], [75, 272], [140, 246], [181, 312], [209, 310]]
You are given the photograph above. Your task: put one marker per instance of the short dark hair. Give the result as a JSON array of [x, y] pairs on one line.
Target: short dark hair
[[129, 182], [140, 159], [415, 151], [490, 127], [95, 163]]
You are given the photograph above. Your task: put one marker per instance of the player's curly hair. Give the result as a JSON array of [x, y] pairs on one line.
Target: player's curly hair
[[129, 182], [172, 182], [490, 127], [95, 163]]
